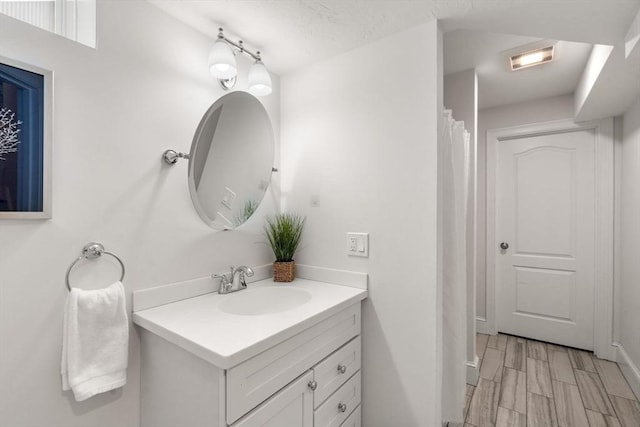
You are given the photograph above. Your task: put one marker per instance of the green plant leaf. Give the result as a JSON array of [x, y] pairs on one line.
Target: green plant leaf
[[284, 232]]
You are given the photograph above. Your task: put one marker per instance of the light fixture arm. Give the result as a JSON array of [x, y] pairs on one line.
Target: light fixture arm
[[239, 46]]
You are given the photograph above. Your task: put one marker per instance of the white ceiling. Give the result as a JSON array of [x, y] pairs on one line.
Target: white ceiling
[[294, 33], [489, 54]]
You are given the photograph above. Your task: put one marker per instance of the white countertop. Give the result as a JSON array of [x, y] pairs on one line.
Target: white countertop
[[200, 327]]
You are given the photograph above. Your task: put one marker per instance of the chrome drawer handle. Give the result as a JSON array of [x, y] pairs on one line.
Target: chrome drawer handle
[[342, 407], [312, 385], [342, 369]]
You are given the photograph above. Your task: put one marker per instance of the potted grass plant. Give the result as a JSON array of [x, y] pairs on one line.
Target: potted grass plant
[[283, 232]]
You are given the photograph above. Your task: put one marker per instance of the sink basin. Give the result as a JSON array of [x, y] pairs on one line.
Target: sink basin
[[260, 301]]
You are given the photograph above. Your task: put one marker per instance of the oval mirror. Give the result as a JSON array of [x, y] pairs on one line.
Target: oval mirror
[[231, 160]]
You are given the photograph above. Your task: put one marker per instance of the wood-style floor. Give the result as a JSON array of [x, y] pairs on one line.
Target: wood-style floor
[[533, 384]]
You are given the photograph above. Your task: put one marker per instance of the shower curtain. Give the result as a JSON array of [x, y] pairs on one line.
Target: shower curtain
[[455, 143]]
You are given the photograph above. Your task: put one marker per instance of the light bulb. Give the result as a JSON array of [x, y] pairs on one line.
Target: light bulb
[[259, 80], [531, 58], [222, 63]]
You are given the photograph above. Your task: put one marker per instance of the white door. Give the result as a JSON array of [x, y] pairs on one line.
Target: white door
[[545, 222]]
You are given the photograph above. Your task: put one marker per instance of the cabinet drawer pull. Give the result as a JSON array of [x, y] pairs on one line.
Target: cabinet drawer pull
[[342, 369], [342, 407], [312, 385]]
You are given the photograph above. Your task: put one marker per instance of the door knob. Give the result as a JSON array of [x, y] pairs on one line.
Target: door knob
[[504, 246], [312, 385]]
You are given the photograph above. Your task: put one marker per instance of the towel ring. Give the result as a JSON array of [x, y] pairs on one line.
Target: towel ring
[[92, 250]]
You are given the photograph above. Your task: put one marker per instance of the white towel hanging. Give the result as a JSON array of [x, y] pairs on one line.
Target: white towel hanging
[[95, 341]]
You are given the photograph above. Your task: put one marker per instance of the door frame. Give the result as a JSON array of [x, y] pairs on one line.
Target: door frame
[[604, 221]]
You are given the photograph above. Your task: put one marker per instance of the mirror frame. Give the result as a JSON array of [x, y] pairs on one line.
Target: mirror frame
[[194, 146]]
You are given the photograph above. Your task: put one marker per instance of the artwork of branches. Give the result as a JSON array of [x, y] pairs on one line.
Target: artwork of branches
[[8, 132]]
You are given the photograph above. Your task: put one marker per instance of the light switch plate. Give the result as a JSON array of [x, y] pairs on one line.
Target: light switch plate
[[358, 244]]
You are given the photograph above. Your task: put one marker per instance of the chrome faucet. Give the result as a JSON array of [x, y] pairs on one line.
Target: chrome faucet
[[234, 281]]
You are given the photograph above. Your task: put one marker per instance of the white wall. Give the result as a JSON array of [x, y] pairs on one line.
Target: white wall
[[629, 298], [597, 60], [461, 96], [364, 146], [548, 109], [117, 108]]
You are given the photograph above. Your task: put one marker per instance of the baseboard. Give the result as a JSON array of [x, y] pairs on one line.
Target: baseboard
[[629, 369], [473, 371], [482, 326]]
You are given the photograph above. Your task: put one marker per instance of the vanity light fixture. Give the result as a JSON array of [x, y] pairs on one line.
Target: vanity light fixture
[[531, 58], [222, 65], [259, 79]]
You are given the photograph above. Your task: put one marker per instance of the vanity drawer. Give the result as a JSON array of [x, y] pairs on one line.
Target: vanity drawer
[[335, 370], [292, 406], [339, 406], [353, 420], [253, 381]]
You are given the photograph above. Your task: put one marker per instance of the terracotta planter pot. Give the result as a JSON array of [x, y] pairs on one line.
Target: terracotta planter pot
[[284, 271]]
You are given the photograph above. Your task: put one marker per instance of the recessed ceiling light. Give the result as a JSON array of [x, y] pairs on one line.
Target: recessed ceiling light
[[531, 58]]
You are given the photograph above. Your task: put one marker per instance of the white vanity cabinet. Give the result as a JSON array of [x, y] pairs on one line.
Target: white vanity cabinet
[[324, 396], [312, 378]]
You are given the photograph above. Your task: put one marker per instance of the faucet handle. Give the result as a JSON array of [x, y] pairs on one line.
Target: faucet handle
[[225, 284], [222, 277]]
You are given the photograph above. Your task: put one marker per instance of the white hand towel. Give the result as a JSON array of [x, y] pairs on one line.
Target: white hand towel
[[95, 342]]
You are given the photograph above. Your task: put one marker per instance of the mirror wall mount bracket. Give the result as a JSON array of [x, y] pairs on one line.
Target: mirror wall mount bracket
[[171, 156]]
